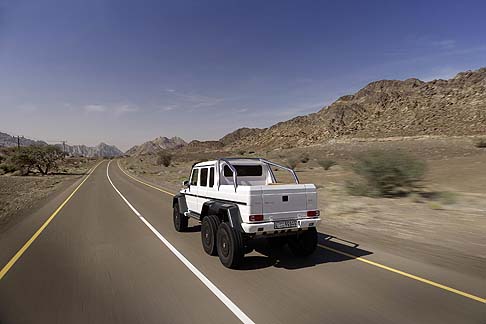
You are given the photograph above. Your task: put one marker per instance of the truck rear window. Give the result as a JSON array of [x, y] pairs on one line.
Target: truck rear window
[[244, 171]]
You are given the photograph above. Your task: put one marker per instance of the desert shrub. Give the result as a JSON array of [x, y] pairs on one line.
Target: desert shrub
[[292, 163], [8, 168], [480, 143], [241, 152], [44, 158], [385, 173], [326, 164], [164, 158], [304, 158], [448, 198]]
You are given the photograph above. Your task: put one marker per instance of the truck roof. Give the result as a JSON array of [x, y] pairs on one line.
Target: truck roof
[[239, 161]]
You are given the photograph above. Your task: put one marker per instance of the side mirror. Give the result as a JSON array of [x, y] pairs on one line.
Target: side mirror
[[185, 184]]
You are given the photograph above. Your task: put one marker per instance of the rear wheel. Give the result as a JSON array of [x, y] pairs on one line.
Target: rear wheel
[[230, 246], [180, 221], [209, 228], [278, 241], [305, 243]]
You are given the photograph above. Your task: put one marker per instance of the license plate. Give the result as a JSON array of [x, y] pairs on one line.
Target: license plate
[[285, 224]]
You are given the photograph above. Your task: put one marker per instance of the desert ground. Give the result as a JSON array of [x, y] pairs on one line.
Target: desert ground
[[19, 194], [443, 222]]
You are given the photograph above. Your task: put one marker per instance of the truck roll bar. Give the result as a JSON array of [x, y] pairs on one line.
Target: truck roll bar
[[235, 173]]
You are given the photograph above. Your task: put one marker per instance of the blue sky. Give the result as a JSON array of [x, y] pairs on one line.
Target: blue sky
[[124, 72]]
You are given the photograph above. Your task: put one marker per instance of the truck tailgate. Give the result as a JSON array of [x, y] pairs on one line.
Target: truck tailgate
[[283, 201]]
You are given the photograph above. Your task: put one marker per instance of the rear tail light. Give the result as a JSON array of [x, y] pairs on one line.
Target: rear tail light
[[313, 213], [256, 218]]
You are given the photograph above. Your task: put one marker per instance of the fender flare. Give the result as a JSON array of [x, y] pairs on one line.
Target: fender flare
[[180, 199], [227, 211]]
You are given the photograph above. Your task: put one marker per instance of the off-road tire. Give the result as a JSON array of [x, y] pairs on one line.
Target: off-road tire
[[180, 220], [303, 244], [277, 242], [230, 246], [209, 228]]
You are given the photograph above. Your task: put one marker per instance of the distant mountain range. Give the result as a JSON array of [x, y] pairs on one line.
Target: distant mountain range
[[386, 108], [100, 150], [160, 143]]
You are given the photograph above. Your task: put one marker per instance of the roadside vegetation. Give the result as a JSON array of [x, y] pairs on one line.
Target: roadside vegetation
[[326, 164], [31, 159], [385, 173], [480, 142], [164, 158]]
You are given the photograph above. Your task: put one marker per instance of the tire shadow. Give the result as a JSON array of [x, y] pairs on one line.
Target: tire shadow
[[281, 257]]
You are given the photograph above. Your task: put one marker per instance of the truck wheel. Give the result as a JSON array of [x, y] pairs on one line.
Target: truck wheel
[[277, 242], [305, 243], [209, 228], [180, 221], [230, 246]]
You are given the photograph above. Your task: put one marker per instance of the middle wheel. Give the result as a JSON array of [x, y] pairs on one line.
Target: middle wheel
[[209, 227]]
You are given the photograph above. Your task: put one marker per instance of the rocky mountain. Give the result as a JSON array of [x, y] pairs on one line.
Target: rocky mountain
[[388, 108], [160, 143], [7, 140], [100, 150], [239, 134]]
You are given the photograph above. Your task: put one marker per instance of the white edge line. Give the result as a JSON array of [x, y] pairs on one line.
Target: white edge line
[[215, 290]]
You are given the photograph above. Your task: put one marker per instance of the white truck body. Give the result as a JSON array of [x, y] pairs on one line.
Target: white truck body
[[265, 207]]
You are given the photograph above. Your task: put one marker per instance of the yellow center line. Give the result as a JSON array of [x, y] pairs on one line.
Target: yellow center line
[[27, 244], [376, 264], [408, 275]]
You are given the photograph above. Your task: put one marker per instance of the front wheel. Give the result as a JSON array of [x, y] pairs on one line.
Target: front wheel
[[180, 221], [230, 246], [305, 243]]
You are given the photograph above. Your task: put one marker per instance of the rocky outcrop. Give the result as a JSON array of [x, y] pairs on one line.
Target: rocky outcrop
[[388, 108], [7, 140], [160, 143], [100, 150]]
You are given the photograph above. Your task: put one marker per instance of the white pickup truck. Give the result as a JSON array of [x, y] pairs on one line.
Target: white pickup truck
[[238, 200]]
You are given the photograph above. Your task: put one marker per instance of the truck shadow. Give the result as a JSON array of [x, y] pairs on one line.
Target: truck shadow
[[330, 249]]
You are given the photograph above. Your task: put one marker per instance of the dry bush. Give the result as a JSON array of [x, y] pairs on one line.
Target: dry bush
[[292, 163], [386, 173], [480, 143], [164, 158], [326, 164]]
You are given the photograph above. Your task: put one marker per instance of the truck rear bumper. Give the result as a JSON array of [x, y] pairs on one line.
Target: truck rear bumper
[[268, 228]]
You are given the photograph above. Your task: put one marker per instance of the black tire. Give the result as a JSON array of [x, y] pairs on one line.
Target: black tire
[[230, 246], [180, 221], [305, 243], [209, 228], [277, 242]]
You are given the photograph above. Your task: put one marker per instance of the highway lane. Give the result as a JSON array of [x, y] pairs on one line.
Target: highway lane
[[327, 286], [97, 262]]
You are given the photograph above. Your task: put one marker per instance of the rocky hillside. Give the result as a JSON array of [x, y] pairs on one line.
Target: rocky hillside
[[160, 143], [388, 108], [7, 140], [239, 134], [100, 150]]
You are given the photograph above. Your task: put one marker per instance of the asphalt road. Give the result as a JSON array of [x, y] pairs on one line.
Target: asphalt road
[[111, 255]]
